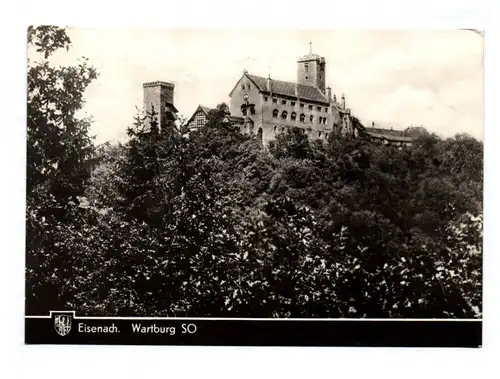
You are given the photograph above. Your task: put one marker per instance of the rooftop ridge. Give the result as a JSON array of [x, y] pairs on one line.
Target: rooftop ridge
[[287, 88]]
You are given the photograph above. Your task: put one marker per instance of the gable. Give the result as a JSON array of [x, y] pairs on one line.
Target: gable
[[199, 116], [240, 80]]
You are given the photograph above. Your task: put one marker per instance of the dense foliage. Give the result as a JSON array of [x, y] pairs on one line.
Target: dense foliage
[[210, 223]]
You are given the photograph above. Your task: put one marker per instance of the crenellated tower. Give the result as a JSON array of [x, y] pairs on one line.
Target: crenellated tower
[[160, 95], [311, 70]]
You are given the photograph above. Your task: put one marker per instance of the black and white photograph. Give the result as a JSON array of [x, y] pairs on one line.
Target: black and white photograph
[[254, 187]]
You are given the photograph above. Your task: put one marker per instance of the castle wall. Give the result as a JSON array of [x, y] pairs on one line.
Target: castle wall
[[158, 95], [265, 104], [275, 125]]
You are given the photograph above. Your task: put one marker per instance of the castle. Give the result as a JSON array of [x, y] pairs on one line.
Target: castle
[[266, 107]]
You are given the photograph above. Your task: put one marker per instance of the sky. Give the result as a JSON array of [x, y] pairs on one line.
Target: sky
[[432, 78]]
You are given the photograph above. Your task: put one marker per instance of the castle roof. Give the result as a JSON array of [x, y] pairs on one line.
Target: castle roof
[[280, 87], [204, 109], [382, 133], [388, 137]]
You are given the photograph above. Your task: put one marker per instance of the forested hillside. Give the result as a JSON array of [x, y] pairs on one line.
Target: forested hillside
[[211, 223]]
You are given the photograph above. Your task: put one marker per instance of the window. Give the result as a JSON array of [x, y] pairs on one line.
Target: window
[[252, 110], [266, 98], [302, 105], [294, 116], [275, 127], [244, 109], [311, 118], [319, 109], [324, 120], [248, 85], [326, 110], [319, 135], [320, 119], [284, 115], [310, 107], [306, 67], [275, 101], [282, 129], [293, 103], [242, 86], [326, 135], [275, 113], [200, 119], [283, 102], [302, 117]]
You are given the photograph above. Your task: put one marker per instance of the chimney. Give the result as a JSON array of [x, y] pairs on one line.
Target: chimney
[[329, 94], [334, 98], [373, 124], [343, 101]]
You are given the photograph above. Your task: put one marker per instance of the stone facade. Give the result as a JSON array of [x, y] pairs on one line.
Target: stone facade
[[311, 71], [271, 106], [160, 96]]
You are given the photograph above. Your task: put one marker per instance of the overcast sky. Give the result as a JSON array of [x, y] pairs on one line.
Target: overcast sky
[[429, 78]]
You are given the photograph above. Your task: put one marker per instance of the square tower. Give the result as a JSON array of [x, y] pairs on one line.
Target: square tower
[[159, 95], [311, 71]]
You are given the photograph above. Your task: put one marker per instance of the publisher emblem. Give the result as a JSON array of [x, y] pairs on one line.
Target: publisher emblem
[[62, 324]]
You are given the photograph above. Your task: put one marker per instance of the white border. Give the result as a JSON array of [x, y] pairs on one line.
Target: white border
[[201, 362]]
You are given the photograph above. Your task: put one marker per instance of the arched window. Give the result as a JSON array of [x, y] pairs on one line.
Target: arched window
[[326, 135], [311, 118], [248, 85], [302, 117], [275, 113], [259, 134], [294, 116], [282, 129], [275, 127], [242, 86], [324, 120], [284, 115], [319, 135]]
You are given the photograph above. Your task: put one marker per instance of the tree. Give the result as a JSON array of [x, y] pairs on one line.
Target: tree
[[59, 159]]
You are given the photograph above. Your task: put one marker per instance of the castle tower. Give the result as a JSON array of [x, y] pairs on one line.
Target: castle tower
[[311, 70], [160, 95]]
